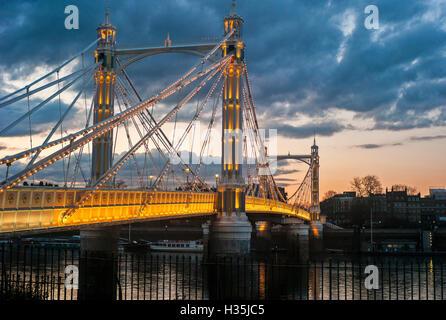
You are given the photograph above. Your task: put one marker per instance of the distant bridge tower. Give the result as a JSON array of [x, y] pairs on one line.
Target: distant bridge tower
[[231, 232], [316, 225], [104, 99], [315, 208]]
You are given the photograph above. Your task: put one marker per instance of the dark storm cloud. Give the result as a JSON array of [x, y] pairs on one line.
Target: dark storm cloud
[[306, 130], [377, 146], [41, 120], [292, 53]]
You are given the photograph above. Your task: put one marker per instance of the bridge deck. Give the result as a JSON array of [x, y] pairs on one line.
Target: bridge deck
[[28, 209]]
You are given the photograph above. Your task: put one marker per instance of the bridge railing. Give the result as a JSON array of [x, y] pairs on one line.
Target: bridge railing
[[31, 208], [254, 204], [41, 208]]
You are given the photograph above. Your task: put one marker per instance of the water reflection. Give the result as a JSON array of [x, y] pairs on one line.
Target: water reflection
[[277, 275]]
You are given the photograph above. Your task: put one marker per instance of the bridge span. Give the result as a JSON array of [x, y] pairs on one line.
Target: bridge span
[[120, 116], [32, 209]]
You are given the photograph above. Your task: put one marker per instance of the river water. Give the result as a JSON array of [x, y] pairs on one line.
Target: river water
[[291, 275]]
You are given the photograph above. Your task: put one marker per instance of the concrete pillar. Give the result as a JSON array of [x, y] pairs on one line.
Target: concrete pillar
[[316, 229], [298, 239], [205, 228], [298, 231], [263, 236], [230, 235], [316, 236], [98, 264]]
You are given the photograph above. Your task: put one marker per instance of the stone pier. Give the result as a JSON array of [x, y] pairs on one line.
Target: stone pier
[[230, 235], [98, 264]]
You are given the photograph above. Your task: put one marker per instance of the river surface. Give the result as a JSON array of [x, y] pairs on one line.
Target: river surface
[[276, 275]]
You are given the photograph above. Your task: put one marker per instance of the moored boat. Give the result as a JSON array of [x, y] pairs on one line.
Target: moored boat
[[177, 246]]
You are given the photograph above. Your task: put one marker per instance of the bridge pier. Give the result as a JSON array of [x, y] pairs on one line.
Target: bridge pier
[[230, 235], [299, 231], [316, 229], [316, 235], [262, 235], [98, 264], [298, 240], [205, 228]]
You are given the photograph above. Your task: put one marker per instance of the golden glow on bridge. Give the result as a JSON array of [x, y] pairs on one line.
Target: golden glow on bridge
[[39, 209]]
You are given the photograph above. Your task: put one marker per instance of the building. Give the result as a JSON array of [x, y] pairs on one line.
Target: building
[[337, 209], [402, 207], [433, 208], [395, 208]]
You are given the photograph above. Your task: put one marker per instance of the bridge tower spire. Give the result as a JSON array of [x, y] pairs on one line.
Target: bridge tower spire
[[316, 225], [315, 208], [231, 232], [104, 99]]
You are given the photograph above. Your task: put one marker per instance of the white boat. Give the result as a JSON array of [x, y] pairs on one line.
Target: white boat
[[177, 246]]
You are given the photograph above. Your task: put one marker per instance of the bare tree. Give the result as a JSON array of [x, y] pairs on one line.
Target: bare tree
[[366, 185], [357, 186], [329, 194], [372, 185]]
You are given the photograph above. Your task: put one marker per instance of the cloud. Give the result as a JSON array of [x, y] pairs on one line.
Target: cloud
[[427, 138], [285, 171], [306, 130], [393, 76], [377, 146]]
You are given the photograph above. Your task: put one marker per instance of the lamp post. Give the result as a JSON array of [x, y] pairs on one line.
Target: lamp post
[[216, 180], [150, 177], [187, 175]]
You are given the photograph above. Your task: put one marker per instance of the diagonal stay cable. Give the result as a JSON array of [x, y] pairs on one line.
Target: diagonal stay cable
[[117, 166], [53, 130], [51, 72], [187, 130], [43, 103], [109, 123], [31, 92], [167, 143]]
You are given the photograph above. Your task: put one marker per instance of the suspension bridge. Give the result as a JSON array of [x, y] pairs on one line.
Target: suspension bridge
[[123, 131]]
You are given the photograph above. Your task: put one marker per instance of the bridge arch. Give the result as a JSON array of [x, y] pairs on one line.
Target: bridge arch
[[144, 55]]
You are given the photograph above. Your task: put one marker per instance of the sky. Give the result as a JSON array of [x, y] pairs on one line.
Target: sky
[[376, 98]]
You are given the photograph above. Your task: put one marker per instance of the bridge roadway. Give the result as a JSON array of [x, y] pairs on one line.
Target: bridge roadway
[[26, 210]]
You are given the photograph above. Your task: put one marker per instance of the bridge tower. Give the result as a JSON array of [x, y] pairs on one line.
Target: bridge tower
[[315, 208], [99, 246], [316, 225], [104, 99], [231, 231]]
